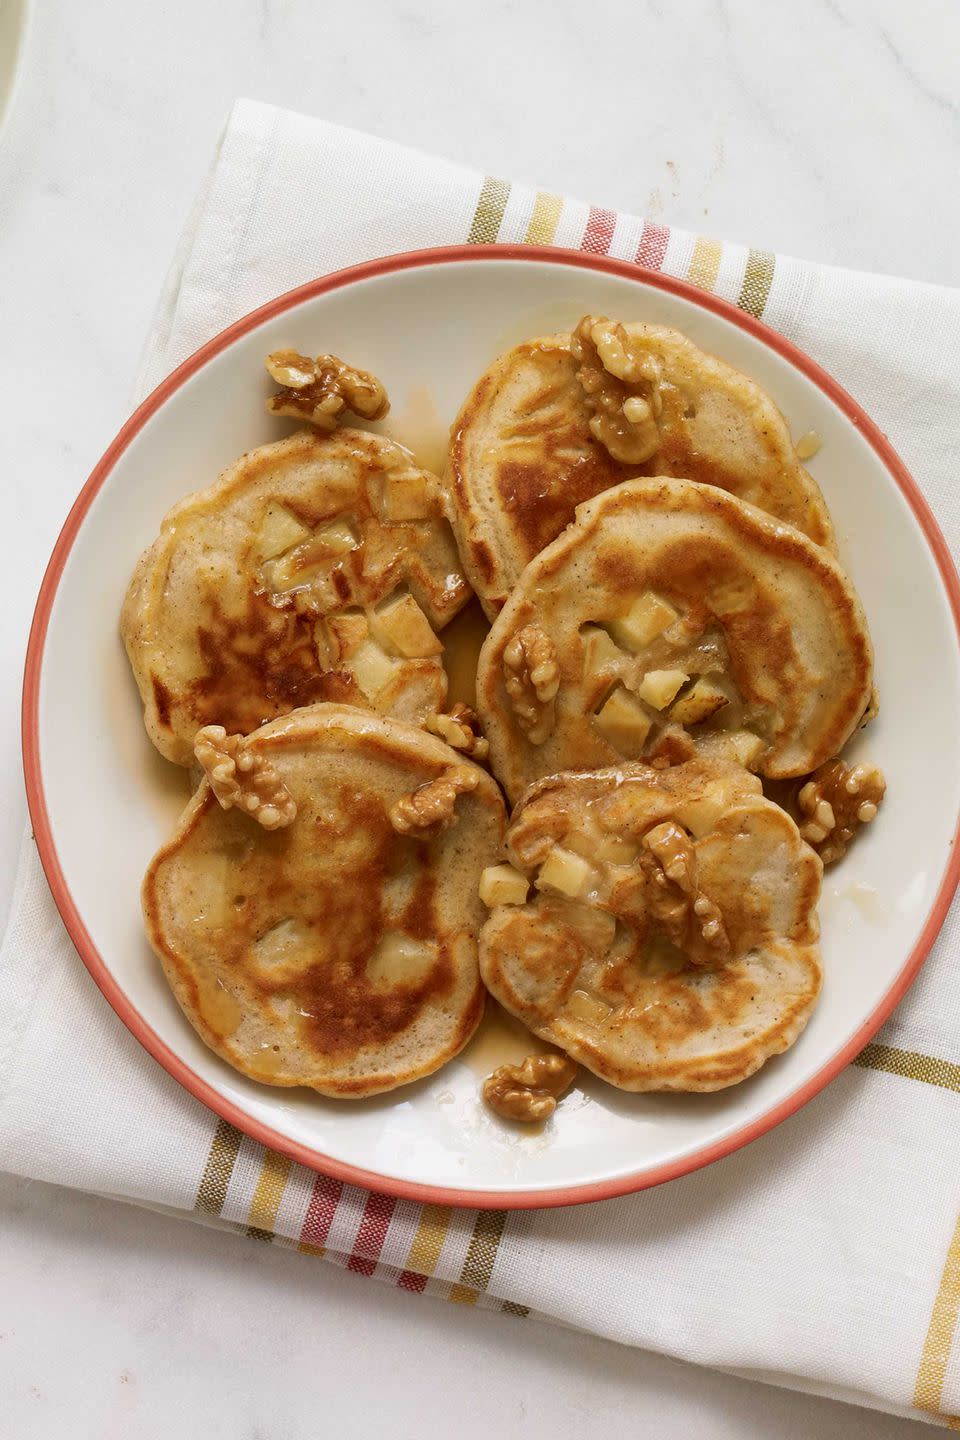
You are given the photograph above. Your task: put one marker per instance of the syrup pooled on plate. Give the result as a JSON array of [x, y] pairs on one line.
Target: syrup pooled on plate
[[421, 430], [462, 641]]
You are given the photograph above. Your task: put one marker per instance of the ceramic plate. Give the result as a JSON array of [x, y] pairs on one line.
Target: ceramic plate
[[102, 800]]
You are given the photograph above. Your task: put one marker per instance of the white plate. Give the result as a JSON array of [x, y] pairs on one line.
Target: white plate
[[102, 800]]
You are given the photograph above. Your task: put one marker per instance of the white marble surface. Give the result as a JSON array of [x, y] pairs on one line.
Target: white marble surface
[[829, 128]]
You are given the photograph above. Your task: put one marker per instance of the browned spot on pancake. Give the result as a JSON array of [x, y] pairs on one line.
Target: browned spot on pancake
[[258, 665], [340, 687], [483, 559], [340, 1011], [540, 498], [552, 954], [418, 913], [162, 699]]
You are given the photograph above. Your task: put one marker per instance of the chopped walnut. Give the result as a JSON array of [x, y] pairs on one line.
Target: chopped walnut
[[240, 778], [461, 730], [670, 867], [530, 1091], [319, 390], [835, 802], [670, 844], [531, 674], [430, 809], [621, 389]]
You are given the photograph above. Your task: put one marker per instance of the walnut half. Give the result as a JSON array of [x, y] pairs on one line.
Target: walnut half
[[319, 390], [835, 802], [461, 730], [530, 1091], [430, 809], [240, 778], [621, 388], [670, 867], [531, 675]]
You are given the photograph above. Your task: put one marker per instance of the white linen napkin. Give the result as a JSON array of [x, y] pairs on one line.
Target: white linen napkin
[[825, 1256]]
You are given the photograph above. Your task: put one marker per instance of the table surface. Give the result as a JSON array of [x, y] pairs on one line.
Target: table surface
[[825, 129]]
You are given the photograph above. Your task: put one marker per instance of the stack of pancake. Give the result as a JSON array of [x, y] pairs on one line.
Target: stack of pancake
[[675, 662]]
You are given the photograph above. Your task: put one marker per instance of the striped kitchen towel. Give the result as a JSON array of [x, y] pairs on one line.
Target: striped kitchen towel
[[825, 1256]]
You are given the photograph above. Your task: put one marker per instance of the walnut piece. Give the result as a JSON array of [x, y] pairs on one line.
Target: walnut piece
[[319, 390], [531, 674], [529, 1092], [689, 918], [430, 809], [621, 387], [238, 777], [835, 802], [461, 730]]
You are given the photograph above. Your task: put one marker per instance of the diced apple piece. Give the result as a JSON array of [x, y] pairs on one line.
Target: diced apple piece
[[346, 632], [336, 536], [599, 649], [406, 496], [702, 700], [294, 571], [218, 1006], [658, 687], [566, 873], [503, 885], [401, 626], [647, 618], [289, 946], [279, 530], [586, 1008], [741, 746], [583, 842], [327, 653], [400, 960], [700, 813], [624, 723], [213, 885], [371, 668], [612, 851]]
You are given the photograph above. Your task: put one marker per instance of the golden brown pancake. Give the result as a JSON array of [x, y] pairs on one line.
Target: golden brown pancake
[[316, 568], [338, 949], [522, 458], [669, 939], [531, 441], [674, 618]]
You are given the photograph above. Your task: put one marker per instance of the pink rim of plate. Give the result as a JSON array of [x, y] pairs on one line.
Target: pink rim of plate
[[131, 1017]]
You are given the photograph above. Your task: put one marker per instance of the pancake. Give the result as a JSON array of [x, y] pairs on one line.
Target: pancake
[[316, 568], [333, 945], [544, 429], [522, 458], [673, 618], [669, 941]]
